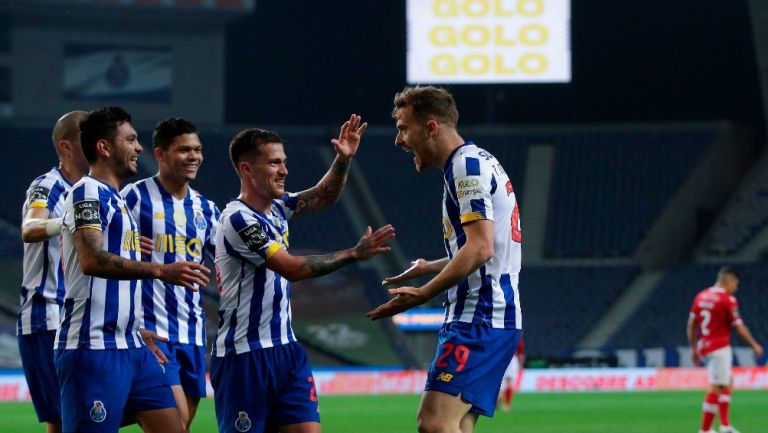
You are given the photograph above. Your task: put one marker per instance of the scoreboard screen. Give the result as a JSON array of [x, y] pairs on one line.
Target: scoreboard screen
[[488, 41]]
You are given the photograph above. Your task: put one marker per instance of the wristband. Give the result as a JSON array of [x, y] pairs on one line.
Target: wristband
[[53, 226]]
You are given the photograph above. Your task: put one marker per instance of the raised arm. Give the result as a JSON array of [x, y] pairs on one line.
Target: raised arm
[[296, 268], [97, 262], [38, 227], [329, 188], [476, 252]]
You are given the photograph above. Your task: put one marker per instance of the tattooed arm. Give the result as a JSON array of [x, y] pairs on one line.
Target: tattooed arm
[[296, 268], [103, 264], [328, 190]]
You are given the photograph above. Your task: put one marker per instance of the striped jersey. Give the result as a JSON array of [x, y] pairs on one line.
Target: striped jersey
[[255, 309], [477, 188], [42, 286], [181, 230], [99, 313]]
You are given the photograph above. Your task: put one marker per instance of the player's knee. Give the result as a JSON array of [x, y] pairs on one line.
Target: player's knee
[[430, 424]]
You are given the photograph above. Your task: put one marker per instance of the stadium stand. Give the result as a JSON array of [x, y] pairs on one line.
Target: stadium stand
[[623, 180], [561, 303], [743, 216]]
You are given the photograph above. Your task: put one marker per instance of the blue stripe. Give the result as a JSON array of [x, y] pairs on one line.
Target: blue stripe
[[146, 229], [171, 305], [493, 184], [84, 338], [238, 222], [473, 166], [259, 280], [484, 309], [55, 195], [66, 322], [115, 235], [188, 294], [478, 205], [208, 247], [131, 198], [231, 250], [509, 296], [274, 324], [41, 287]]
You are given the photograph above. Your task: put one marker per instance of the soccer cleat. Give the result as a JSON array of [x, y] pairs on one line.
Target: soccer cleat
[[728, 429]]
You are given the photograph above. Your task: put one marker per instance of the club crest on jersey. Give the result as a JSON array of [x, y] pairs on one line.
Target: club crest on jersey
[[242, 423], [98, 411], [200, 221]]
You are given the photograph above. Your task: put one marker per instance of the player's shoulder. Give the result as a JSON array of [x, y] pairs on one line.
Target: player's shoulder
[[49, 180], [469, 160]]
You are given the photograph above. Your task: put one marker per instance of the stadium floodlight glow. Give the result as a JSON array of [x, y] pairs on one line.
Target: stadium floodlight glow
[[488, 41]]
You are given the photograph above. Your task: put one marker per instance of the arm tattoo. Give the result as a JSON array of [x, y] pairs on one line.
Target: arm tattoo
[[326, 192], [326, 263], [110, 265]]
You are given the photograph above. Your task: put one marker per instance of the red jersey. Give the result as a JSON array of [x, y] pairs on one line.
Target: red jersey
[[715, 311]]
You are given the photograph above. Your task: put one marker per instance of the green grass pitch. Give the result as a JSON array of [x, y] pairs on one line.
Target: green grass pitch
[[656, 412]]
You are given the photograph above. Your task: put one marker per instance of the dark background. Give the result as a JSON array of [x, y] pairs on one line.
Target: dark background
[[309, 62]]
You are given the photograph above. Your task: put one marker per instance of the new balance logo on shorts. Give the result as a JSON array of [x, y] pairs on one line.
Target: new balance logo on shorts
[[445, 377]]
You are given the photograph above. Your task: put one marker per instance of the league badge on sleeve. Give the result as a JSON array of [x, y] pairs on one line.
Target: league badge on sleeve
[[98, 411], [254, 237], [87, 214], [242, 423], [39, 193]]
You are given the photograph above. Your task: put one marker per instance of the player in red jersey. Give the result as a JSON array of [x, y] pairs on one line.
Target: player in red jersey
[[714, 311], [512, 378]]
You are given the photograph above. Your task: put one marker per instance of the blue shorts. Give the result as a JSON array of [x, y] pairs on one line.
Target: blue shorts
[[265, 387], [36, 351], [471, 361], [99, 387], [185, 367]]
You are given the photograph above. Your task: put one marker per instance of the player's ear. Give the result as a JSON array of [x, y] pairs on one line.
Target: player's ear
[[104, 148], [432, 127], [244, 168], [159, 154]]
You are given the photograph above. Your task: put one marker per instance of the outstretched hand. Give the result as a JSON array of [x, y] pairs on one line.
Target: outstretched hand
[[373, 243], [404, 298], [417, 269], [349, 137]]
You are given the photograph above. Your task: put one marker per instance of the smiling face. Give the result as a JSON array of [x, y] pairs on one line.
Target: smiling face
[[267, 172], [124, 151], [182, 159], [412, 136]]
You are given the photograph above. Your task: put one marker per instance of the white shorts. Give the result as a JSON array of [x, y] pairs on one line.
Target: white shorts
[[719, 365], [512, 369]]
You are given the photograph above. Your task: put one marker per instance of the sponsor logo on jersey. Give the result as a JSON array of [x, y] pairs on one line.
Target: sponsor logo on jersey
[[469, 187], [445, 377], [159, 215], [131, 241], [98, 411], [447, 230], [165, 243], [242, 423]]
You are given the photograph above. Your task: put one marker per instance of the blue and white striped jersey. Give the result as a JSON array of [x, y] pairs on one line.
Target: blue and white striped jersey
[[477, 187], [181, 230], [42, 286], [255, 310], [99, 313]]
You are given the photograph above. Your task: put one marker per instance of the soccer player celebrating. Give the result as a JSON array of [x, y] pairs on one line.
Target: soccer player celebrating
[[42, 291], [481, 231], [261, 376], [104, 371], [181, 223], [714, 311]]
